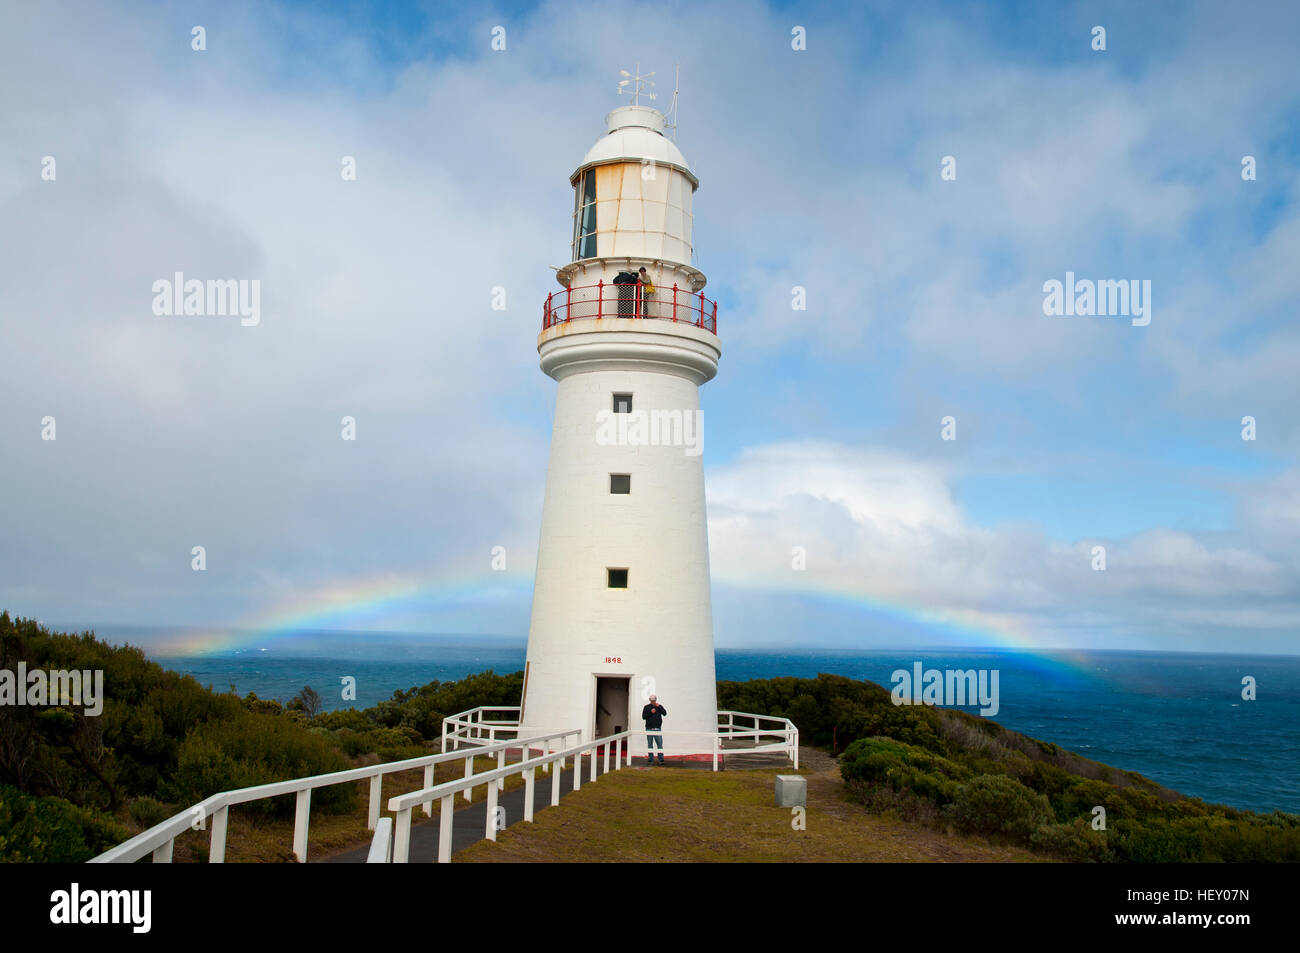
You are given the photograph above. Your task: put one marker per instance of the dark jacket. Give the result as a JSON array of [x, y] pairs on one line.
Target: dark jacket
[[654, 715]]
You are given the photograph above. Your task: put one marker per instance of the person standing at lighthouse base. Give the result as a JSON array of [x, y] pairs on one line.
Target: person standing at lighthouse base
[[653, 714]]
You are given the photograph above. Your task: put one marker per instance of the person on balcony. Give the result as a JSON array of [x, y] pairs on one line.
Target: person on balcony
[[647, 292], [654, 714]]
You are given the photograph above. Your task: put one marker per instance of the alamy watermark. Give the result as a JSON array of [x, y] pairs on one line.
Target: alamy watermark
[[948, 687], [221, 296], [131, 908], [1104, 298], [75, 688], [655, 428]]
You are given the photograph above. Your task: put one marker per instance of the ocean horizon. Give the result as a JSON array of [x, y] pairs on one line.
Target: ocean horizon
[[1176, 717]]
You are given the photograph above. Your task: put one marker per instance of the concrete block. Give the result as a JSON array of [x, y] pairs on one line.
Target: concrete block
[[791, 790]]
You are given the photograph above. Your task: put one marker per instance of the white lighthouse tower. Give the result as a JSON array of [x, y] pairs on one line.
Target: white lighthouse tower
[[621, 606]]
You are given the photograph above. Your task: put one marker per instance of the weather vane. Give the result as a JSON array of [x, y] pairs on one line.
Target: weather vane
[[639, 85]]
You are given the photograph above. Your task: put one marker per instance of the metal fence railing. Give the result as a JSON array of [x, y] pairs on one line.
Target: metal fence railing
[[631, 300]]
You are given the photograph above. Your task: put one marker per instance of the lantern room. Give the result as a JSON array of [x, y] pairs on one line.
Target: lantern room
[[632, 203]]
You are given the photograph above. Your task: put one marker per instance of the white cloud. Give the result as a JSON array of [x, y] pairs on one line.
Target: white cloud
[[886, 528]]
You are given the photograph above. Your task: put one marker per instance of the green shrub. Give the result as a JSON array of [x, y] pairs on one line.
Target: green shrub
[[99, 761], [348, 718], [148, 811], [1079, 796], [423, 709], [265, 706], [883, 762], [1075, 841], [250, 750], [50, 830], [1273, 838], [1154, 841], [391, 744], [884, 799], [995, 804]]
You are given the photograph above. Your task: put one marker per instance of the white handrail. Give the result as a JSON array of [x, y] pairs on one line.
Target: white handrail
[[786, 731], [159, 838], [381, 846], [468, 726], [769, 734], [403, 804], [710, 743]]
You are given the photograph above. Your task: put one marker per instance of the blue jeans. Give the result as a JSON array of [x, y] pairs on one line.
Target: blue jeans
[[652, 737]]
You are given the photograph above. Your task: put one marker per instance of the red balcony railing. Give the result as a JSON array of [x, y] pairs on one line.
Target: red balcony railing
[[608, 300]]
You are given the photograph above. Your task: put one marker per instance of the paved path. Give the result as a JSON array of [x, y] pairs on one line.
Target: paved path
[[471, 819]]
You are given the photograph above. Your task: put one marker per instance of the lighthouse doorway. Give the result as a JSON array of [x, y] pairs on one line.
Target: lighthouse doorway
[[611, 705]]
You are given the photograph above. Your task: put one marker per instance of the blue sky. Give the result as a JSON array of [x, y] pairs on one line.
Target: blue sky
[[819, 168]]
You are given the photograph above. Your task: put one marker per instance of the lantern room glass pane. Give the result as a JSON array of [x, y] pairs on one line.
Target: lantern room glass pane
[[585, 217]]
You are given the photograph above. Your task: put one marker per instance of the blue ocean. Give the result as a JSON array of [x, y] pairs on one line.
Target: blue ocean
[[1178, 718]]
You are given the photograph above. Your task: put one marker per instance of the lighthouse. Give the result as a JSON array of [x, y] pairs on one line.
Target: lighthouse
[[621, 606]]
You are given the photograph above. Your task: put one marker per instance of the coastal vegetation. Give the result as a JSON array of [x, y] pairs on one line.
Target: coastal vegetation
[[948, 769], [73, 784]]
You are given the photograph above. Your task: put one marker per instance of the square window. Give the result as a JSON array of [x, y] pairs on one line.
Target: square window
[[622, 403], [620, 483], [617, 578]]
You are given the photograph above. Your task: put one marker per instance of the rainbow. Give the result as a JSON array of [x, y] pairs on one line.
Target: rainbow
[[965, 629], [371, 604], [348, 606]]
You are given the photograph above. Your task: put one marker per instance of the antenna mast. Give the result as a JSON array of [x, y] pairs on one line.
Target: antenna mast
[[672, 110]]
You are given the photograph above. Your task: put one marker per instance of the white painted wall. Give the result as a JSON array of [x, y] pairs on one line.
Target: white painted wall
[[660, 627]]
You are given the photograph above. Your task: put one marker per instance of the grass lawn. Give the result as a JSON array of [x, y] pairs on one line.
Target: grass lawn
[[675, 814]]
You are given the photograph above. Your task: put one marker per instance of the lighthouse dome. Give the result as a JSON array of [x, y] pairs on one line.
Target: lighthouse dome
[[636, 133]]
